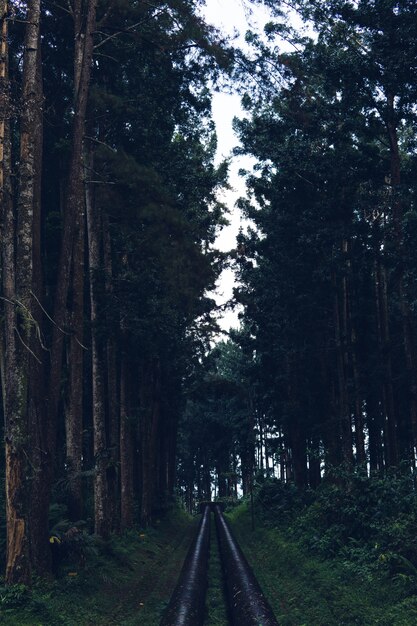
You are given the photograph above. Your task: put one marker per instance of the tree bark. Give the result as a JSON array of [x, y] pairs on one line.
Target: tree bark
[[19, 322], [112, 383], [74, 408], [40, 455], [101, 453], [342, 398], [5, 181], [384, 337], [406, 316], [350, 330], [126, 450], [149, 437], [74, 200]]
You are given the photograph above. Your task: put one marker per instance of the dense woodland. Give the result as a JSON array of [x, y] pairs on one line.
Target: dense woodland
[[108, 219], [113, 397], [323, 372]]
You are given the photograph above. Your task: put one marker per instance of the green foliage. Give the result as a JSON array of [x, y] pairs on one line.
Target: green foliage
[[14, 596], [123, 580], [216, 600], [307, 588], [332, 197], [367, 523], [216, 426], [279, 500]]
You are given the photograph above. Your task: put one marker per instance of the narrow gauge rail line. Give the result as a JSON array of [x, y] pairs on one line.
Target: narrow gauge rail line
[[246, 602], [187, 604]]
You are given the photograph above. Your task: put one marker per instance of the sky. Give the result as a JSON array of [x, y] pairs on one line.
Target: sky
[[231, 17]]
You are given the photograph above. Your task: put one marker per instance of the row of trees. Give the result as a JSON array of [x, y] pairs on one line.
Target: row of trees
[[329, 273], [217, 441], [331, 294], [108, 216]]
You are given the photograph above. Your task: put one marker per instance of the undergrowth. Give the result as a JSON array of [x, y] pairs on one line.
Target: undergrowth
[[216, 613], [123, 581], [368, 523], [343, 554]]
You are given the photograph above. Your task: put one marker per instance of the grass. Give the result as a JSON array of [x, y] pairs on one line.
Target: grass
[[127, 582], [215, 601], [306, 591]]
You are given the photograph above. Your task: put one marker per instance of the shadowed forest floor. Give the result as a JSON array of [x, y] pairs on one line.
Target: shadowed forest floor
[[128, 582], [216, 613], [305, 590]]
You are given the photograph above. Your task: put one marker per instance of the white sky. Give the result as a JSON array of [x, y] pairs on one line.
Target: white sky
[[231, 17]]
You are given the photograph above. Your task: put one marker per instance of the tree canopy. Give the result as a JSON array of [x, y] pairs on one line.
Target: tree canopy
[[117, 394]]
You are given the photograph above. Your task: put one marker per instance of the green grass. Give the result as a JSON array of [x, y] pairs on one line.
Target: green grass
[[215, 601], [306, 591], [128, 582]]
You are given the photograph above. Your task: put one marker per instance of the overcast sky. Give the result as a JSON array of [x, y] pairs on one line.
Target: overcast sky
[[231, 17]]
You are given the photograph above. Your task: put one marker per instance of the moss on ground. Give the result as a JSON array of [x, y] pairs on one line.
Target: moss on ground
[[215, 602], [306, 591], [127, 582]]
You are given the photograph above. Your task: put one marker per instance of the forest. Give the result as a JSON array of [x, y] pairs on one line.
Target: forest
[[124, 405]]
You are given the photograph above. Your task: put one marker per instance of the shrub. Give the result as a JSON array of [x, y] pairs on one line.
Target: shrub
[[369, 523]]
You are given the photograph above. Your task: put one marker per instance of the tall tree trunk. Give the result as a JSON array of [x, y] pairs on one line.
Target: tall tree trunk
[[5, 183], [384, 337], [112, 384], [102, 527], [39, 453], [149, 437], [171, 455], [126, 449], [407, 319], [314, 472], [74, 200], [74, 407], [19, 322], [261, 441], [4, 98], [342, 398], [350, 298], [373, 416], [295, 435]]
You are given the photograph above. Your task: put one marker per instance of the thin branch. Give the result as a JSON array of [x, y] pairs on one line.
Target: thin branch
[[38, 332], [125, 30], [106, 56], [79, 342], [99, 182], [27, 347], [102, 143], [117, 33], [105, 17], [7, 300], [59, 6], [34, 322], [35, 469], [305, 179], [48, 316]]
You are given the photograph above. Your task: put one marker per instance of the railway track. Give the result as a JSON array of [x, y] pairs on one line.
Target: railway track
[[246, 604]]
